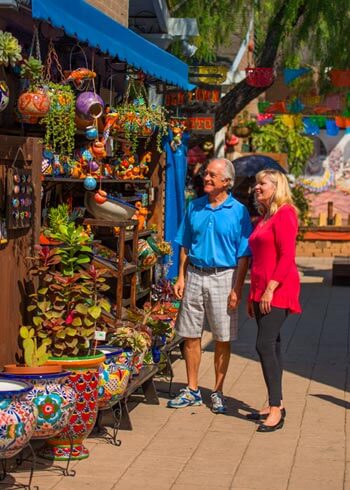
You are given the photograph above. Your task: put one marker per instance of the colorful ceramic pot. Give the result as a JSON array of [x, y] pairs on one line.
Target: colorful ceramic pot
[[89, 106], [91, 132], [54, 400], [18, 417], [34, 104], [4, 95], [84, 381], [138, 359], [114, 377]]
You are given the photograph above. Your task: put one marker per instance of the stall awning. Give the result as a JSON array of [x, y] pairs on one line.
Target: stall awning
[[81, 20]]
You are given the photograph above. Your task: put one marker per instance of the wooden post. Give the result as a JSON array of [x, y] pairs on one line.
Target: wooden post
[[330, 217]]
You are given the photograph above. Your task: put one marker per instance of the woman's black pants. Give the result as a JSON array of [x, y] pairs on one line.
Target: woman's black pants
[[268, 345]]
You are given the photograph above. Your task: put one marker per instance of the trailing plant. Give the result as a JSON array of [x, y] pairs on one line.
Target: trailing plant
[[10, 49], [137, 119], [279, 138], [60, 120]]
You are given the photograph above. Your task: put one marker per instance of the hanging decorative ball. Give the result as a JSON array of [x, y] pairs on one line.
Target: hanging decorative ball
[[4, 95], [91, 132], [93, 166], [100, 196], [90, 183]]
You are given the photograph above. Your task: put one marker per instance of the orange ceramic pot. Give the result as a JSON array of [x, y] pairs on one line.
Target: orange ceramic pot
[[34, 104]]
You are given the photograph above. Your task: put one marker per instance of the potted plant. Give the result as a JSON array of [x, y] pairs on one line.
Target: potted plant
[[34, 102], [135, 337], [60, 120], [66, 310], [137, 119], [10, 54], [243, 125]]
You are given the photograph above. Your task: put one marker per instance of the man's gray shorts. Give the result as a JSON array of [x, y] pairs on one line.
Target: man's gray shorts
[[205, 304]]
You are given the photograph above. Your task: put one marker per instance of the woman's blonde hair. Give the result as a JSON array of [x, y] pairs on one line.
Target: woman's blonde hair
[[282, 194]]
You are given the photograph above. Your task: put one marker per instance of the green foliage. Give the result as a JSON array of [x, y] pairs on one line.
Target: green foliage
[[303, 206], [68, 306], [32, 70], [128, 334], [33, 355], [279, 138], [10, 49], [138, 118], [217, 21], [315, 32], [60, 120]]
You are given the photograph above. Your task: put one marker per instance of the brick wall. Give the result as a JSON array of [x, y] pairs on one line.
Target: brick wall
[[117, 9], [324, 248]]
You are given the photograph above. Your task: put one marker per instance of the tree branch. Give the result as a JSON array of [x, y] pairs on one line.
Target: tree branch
[[242, 93]]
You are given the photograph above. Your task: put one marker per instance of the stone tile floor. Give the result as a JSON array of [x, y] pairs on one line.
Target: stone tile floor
[[193, 448]]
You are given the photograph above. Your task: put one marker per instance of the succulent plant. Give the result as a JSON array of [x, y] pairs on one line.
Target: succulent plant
[[10, 49], [32, 69]]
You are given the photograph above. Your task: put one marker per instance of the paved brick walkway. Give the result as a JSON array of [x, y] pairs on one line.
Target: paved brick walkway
[[192, 448]]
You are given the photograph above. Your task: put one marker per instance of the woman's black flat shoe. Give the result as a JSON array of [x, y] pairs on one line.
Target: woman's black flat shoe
[[271, 428], [263, 416]]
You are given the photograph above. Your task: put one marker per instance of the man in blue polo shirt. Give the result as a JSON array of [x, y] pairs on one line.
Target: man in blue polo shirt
[[213, 264]]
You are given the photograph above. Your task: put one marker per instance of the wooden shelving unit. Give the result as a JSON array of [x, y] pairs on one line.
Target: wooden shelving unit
[[120, 270]]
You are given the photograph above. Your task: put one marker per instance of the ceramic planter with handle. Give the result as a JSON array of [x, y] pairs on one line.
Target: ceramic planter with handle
[[18, 416]]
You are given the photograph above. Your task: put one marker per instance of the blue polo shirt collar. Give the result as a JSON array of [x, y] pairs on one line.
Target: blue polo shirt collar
[[228, 203]]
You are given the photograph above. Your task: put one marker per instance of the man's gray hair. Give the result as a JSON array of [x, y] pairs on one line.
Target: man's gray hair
[[229, 172]]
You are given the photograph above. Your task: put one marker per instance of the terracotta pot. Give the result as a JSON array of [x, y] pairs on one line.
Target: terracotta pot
[[18, 417], [54, 399], [83, 379], [114, 377], [34, 104]]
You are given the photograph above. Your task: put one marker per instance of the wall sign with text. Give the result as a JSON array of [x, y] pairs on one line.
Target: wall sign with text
[[201, 123]]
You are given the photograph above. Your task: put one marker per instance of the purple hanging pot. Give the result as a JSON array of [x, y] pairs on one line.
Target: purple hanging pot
[[89, 106]]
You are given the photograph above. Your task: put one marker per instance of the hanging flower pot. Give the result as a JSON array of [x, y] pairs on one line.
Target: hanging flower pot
[[259, 77], [34, 104], [84, 381], [18, 417], [113, 377], [241, 131], [54, 399]]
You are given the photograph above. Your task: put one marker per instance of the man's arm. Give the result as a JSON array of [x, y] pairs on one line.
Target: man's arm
[[179, 286], [236, 293]]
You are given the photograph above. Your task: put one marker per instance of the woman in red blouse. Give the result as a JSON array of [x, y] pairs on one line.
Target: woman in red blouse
[[275, 286]]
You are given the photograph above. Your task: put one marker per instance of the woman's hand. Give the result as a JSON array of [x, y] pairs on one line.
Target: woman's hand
[[250, 309], [265, 302]]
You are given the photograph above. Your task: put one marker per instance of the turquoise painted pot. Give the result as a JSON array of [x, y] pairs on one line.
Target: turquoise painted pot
[[18, 417]]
